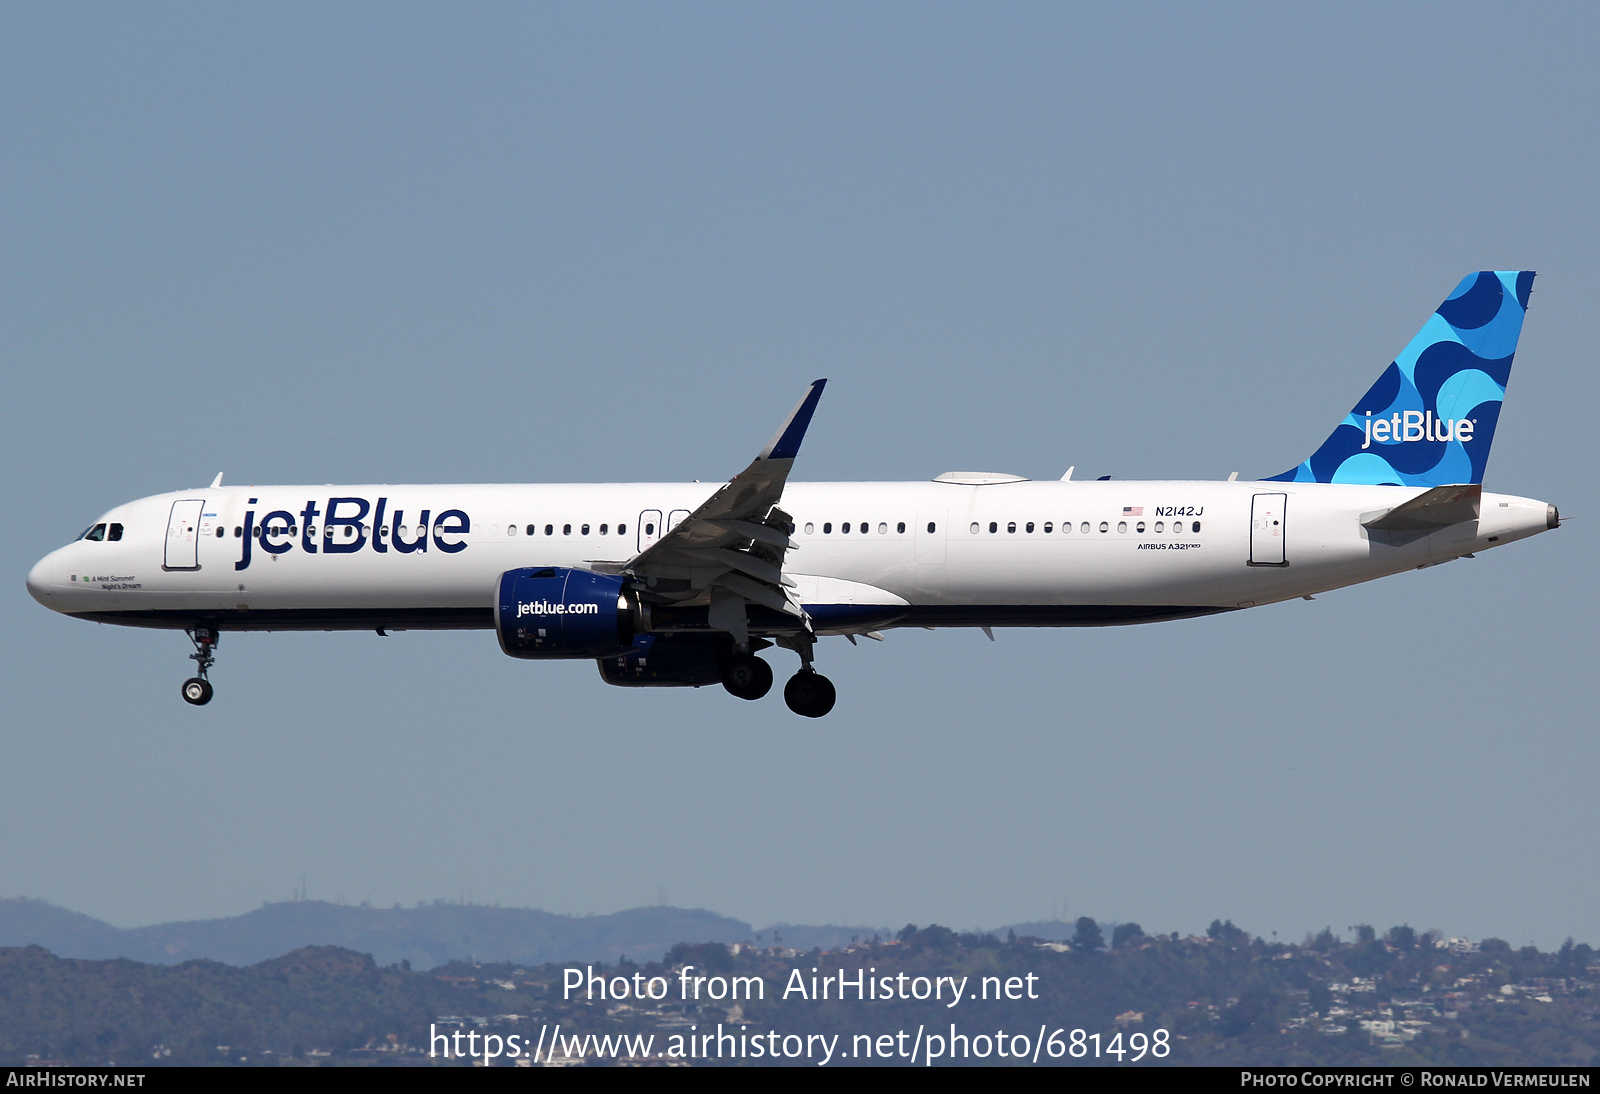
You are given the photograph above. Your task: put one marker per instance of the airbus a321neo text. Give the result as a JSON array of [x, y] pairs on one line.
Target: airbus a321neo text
[[684, 585]]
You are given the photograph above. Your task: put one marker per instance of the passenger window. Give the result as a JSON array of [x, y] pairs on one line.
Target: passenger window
[[864, 528], [531, 529], [930, 527], [1196, 526], [901, 528], [238, 532], [566, 529], [1030, 526], [1084, 528], [844, 529], [1047, 527], [114, 533], [622, 529], [585, 529], [549, 529], [1177, 526], [974, 527], [1139, 527], [220, 533], [603, 528], [1122, 526], [349, 531], [811, 529], [1105, 527], [96, 534], [511, 529], [827, 527], [993, 527], [883, 529], [1011, 527], [1160, 526]]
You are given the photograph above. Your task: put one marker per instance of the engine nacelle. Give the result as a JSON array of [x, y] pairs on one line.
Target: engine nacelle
[[668, 661], [553, 612]]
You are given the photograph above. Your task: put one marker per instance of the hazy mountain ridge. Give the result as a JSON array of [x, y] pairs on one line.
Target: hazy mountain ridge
[[426, 936]]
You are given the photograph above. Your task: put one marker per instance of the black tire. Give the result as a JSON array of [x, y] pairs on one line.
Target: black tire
[[196, 692], [747, 676], [809, 694]]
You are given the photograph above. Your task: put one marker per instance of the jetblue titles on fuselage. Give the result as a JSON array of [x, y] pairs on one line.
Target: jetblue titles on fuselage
[[345, 529]]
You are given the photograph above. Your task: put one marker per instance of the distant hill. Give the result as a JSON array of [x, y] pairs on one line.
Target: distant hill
[[426, 936]]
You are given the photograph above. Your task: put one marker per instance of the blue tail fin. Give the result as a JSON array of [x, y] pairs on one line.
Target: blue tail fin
[[1430, 418]]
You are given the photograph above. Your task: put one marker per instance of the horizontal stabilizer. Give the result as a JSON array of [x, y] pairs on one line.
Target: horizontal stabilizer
[[1437, 508]]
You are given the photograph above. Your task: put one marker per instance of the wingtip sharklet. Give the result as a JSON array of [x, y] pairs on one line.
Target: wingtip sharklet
[[785, 444]]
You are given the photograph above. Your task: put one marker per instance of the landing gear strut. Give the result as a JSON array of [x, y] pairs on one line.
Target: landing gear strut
[[808, 693], [197, 689]]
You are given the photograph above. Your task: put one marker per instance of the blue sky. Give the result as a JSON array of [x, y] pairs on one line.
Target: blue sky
[[613, 242]]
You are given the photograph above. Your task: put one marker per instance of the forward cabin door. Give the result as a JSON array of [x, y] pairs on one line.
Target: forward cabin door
[[649, 527], [1266, 530], [183, 536]]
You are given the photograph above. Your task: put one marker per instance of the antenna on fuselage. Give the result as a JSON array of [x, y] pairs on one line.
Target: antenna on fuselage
[[1068, 476], [216, 482]]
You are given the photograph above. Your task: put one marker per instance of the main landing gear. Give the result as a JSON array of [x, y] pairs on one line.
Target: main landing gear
[[747, 676], [808, 693], [197, 689]]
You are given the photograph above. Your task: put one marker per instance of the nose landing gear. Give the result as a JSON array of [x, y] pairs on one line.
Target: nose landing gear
[[197, 690]]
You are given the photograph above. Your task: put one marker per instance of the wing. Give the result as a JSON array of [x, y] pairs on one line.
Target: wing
[[730, 551]]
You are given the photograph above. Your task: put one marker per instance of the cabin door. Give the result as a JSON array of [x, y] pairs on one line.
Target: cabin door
[[1266, 530], [183, 536]]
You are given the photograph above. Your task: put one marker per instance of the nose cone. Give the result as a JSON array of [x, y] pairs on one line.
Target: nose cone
[[39, 580]]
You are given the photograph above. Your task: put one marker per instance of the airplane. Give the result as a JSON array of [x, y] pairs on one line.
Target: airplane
[[685, 584]]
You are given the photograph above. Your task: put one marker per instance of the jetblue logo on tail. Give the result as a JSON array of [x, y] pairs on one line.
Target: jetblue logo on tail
[[1430, 418], [1417, 425]]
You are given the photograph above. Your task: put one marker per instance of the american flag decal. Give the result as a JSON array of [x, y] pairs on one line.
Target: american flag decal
[[1133, 510]]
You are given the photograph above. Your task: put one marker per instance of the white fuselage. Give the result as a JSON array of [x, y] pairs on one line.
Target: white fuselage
[[930, 553]]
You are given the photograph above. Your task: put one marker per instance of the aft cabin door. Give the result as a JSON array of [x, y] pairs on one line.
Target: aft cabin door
[[183, 536], [649, 527], [1266, 530]]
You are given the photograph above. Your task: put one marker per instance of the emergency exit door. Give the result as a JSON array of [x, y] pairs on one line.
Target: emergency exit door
[[1266, 530], [649, 527], [183, 536]]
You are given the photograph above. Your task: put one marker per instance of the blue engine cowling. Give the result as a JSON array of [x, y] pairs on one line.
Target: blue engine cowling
[[668, 661], [553, 612]]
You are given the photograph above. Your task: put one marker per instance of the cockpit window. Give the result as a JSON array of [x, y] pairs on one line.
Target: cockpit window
[[97, 533], [114, 533]]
